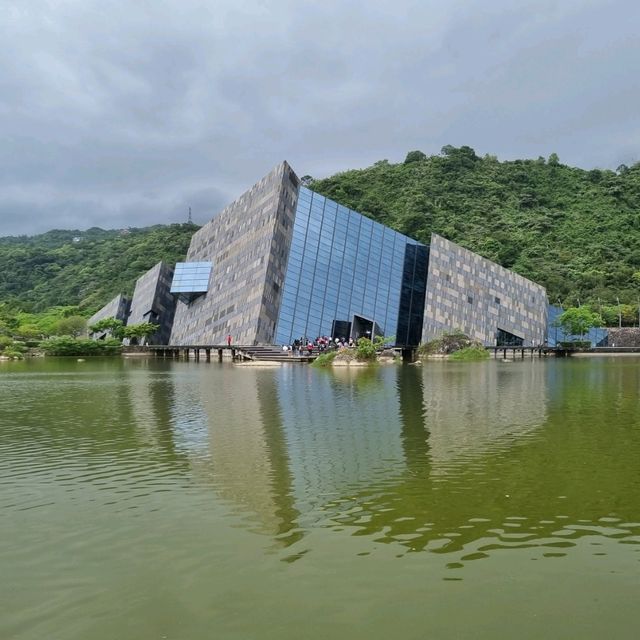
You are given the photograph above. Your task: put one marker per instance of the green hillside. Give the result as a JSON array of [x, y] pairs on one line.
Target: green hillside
[[575, 231], [83, 268]]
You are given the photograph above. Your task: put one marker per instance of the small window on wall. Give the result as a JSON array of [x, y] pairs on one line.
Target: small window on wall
[[470, 299], [497, 300]]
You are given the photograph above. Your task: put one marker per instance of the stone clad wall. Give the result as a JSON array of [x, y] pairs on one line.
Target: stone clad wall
[[248, 244], [152, 301], [468, 292], [117, 308], [623, 337]]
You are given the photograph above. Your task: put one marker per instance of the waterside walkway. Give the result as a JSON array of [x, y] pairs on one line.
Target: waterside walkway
[[238, 353]]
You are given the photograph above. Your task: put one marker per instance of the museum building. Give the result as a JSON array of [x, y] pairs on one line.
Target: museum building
[[283, 262]]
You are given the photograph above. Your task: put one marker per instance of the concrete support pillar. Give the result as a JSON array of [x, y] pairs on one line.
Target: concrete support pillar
[[219, 355], [408, 354], [207, 354]]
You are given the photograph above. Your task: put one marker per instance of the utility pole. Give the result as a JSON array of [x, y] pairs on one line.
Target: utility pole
[[619, 313]]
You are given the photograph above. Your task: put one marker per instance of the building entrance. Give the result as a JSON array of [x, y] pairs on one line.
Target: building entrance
[[359, 327], [362, 327], [507, 339]]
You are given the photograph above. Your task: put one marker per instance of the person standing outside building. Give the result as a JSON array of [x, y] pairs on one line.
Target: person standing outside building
[[228, 340]]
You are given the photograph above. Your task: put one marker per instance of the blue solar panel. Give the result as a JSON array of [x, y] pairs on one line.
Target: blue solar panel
[[191, 277]]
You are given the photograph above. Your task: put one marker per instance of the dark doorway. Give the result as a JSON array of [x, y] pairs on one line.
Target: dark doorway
[[341, 329], [506, 339], [362, 327]]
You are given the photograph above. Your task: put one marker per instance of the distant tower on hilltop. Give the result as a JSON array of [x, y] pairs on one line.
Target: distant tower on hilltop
[[190, 220]]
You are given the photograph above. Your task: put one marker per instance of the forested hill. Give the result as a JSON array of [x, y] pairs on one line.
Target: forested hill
[[83, 268], [575, 231]]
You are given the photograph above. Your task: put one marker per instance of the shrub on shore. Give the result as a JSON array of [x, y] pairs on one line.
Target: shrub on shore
[[12, 349], [456, 346], [446, 344], [325, 359], [472, 352], [12, 354], [365, 350], [69, 346]]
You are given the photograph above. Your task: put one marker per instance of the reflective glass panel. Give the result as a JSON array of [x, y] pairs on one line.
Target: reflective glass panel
[[191, 277], [343, 264]]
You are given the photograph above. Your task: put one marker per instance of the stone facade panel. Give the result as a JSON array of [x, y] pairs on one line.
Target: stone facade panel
[[153, 302], [248, 244], [469, 293], [117, 308]]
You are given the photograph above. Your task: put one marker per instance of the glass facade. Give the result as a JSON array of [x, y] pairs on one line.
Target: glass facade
[[341, 265], [556, 334], [191, 277], [412, 294]]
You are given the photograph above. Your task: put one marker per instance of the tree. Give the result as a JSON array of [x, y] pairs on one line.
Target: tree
[[139, 331], [365, 349], [577, 321], [72, 326], [109, 325], [28, 331], [415, 156]]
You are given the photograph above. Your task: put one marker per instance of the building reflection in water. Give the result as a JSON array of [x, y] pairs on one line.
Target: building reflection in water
[[153, 403], [230, 421], [472, 409], [342, 432], [439, 457], [292, 447]]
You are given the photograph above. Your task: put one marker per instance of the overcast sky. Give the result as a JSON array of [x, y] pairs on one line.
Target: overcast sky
[[125, 113]]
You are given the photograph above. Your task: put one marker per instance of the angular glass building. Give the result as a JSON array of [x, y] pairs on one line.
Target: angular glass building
[[350, 276], [288, 263], [283, 263]]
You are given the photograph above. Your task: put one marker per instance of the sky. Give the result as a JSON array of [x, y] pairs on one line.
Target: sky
[[126, 113]]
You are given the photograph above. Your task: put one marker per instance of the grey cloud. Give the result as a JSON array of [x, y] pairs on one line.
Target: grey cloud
[[116, 113]]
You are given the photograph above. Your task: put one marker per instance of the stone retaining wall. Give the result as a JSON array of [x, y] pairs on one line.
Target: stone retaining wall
[[624, 337]]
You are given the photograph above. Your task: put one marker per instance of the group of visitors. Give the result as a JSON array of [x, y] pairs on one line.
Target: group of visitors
[[303, 346]]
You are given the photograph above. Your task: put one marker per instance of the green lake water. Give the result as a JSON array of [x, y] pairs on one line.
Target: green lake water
[[147, 500]]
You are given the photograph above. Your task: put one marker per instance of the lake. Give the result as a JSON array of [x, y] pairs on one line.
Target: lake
[[154, 499]]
